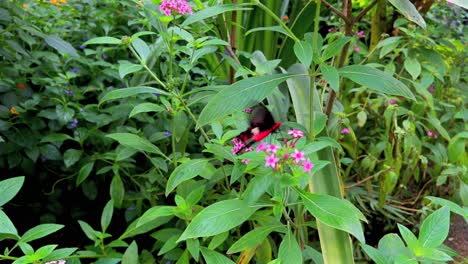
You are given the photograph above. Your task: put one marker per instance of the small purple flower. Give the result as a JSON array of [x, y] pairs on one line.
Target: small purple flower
[[449, 3], [345, 131], [431, 89], [248, 110], [167, 133], [331, 29], [360, 33], [227, 53], [392, 102], [74, 123], [70, 92], [43, 159], [156, 94], [103, 56], [131, 208], [74, 70], [82, 47], [357, 49]]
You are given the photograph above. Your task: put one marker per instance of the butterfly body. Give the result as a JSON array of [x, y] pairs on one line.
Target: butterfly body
[[261, 125]]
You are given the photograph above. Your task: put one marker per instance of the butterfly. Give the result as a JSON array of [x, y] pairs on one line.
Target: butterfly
[[261, 125]]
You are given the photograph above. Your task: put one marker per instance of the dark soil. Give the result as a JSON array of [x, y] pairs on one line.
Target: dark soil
[[458, 239]]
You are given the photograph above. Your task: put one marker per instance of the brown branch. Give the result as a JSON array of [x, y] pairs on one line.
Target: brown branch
[[334, 10], [365, 10], [367, 178]]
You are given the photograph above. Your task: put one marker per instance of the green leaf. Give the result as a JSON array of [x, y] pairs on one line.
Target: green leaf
[[186, 171], [239, 96], [376, 80], [212, 11], [220, 152], [88, 230], [128, 92], [7, 227], [321, 143], [154, 213], [278, 29], [39, 232], [117, 191], [60, 254], [106, 216], [433, 254], [145, 108], [456, 148], [44, 251], [406, 8], [84, 172], [141, 33], [435, 228], [54, 137], [218, 240], [330, 74], [71, 156], [289, 250], [193, 246], [126, 67], [213, 257], [218, 218], [257, 187], [391, 246], [60, 45], [338, 213], [409, 237], [334, 48], [136, 142], [50, 152], [142, 49], [375, 254], [9, 188], [254, 238], [103, 40], [437, 125], [413, 67], [303, 51], [169, 245], [131, 254], [451, 205]]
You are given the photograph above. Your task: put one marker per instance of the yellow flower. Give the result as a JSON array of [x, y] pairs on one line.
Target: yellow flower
[[63, 1], [13, 111], [54, 2], [24, 6]]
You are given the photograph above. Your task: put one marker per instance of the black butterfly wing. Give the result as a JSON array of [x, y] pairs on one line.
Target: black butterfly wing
[[261, 118]]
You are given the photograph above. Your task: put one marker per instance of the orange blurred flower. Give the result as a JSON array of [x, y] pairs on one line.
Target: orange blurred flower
[[285, 18], [13, 111], [24, 6], [55, 2], [91, 89], [20, 85], [63, 1]]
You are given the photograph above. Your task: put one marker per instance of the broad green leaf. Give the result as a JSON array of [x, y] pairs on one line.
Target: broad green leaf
[[126, 67], [145, 108], [71, 156], [239, 96], [254, 238], [60, 253], [376, 80], [117, 191], [375, 255], [131, 254], [289, 250], [413, 67], [409, 237], [7, 227], [303, 51], [106, 216], [103, 40], [169, 245], [406, 8], [136, 142], [391, 246], [9, 188], [88, 230], [434, 229], [321, 143], [186, 171], [334, 48], [433, 254], [212, 11], [39, 232], [220, 152], [453, 206], [437, 125], [84, 172], [61, 45], [456, 148], [213, 257], [42, 252], [335, 212], [217, 240], [142, 49], [55, 137], [131, 91], [141, 33], [330, 74], [257, 187], [154, 213], [50, 152], [218, 218], [193, 246]]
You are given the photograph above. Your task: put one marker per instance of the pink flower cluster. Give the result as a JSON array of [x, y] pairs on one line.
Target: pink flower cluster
[[345, 131], [432, 133], [360, 33], [176, 6]]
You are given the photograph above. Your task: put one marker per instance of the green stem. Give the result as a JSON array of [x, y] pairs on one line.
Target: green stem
[[275, 17], [146, 67]]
